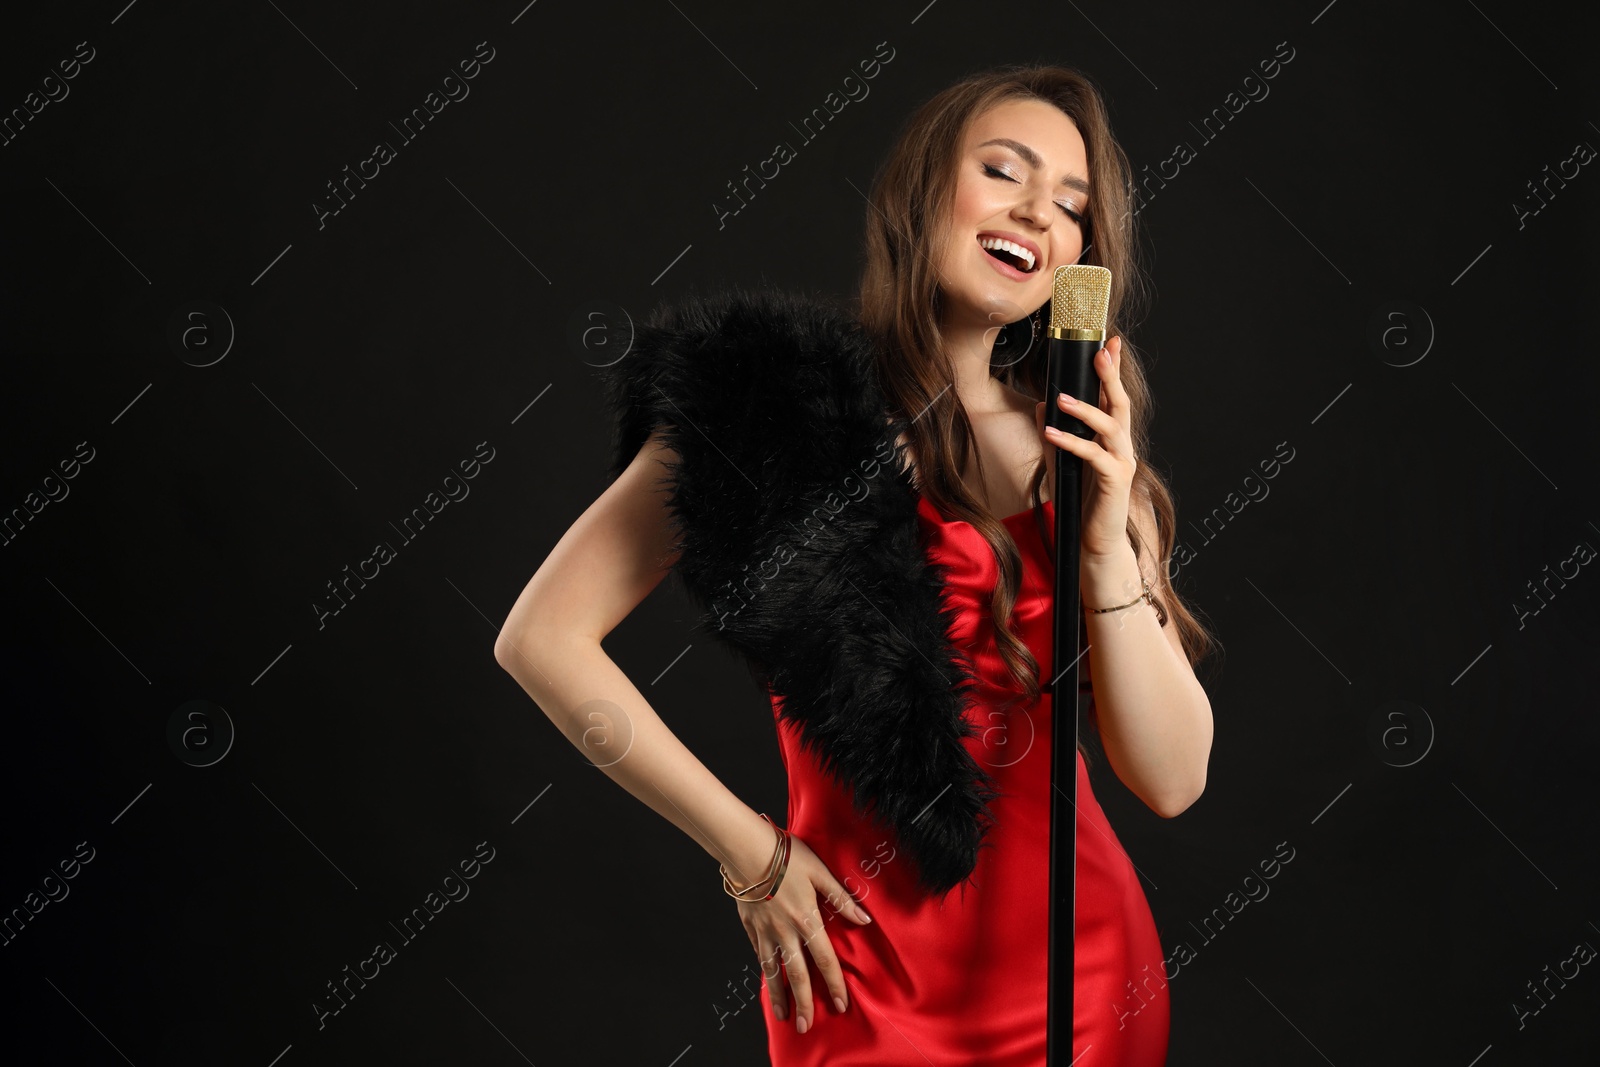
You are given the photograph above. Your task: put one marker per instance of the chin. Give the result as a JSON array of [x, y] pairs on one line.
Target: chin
[[998, 305]]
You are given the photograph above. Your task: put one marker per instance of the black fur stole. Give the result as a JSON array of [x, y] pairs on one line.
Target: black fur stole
[[797, 526]]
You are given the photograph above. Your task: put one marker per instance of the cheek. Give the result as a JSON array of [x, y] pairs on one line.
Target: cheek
[[1071, 246], [966, 212], [970, 205]]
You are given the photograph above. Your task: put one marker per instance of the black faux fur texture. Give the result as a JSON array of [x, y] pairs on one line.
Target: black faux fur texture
[[797, 525]]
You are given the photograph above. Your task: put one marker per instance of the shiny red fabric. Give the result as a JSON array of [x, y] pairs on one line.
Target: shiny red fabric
[[965, 982]]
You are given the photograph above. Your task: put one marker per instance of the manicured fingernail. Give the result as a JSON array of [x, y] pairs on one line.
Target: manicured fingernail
[[863, 912], [801, 1025], [1068, 399], [838, 1002]]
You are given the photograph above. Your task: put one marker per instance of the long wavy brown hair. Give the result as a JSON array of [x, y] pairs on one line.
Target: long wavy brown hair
[[899, 303]]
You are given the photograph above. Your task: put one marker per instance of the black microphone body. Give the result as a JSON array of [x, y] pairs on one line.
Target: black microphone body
[[1076, 334]]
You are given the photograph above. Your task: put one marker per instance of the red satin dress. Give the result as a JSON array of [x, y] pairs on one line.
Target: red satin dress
[[965, 982]]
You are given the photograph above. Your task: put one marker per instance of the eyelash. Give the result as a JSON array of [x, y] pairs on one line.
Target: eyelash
[[996, 172]]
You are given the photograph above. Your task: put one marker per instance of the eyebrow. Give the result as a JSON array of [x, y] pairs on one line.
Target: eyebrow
[[1029, 156]]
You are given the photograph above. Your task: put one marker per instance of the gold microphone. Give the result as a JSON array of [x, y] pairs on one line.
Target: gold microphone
[[1079, 296]]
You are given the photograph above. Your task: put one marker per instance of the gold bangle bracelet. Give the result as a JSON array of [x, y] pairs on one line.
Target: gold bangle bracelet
[[1146, 596], [740, 894], [775, 870]]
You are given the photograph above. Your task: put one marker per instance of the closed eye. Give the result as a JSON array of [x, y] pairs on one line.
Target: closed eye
[[996, 172]]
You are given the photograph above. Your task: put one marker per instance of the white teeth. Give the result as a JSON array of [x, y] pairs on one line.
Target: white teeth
[[1008, 246]]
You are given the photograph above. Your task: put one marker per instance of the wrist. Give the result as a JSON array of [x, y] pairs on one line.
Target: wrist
[[749, 859], [1106, 581]]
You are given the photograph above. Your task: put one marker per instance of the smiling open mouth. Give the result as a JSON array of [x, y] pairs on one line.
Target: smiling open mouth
[[1009, 253]]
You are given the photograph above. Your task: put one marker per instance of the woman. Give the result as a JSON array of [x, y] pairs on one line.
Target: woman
[[847, 494]]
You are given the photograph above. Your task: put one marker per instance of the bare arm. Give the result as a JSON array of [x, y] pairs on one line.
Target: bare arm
[[611, 558], [1154, 716]]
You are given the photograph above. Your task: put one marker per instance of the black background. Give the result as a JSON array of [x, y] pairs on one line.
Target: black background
[[1437, 468]]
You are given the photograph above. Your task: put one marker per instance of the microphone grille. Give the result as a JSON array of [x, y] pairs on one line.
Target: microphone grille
[[1080, 296]]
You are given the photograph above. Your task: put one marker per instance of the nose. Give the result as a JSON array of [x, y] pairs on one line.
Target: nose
[[1035, 209]]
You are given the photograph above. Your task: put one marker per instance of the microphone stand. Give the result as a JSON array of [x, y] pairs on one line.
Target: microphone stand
[[1079, 298]]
